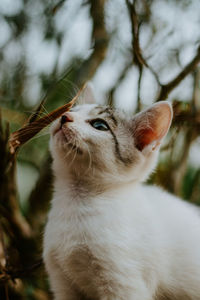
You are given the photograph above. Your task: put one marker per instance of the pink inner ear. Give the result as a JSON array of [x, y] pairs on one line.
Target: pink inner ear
[[145, 137], [153, 124]]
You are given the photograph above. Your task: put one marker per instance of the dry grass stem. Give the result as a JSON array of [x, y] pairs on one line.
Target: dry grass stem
[[30, 129]]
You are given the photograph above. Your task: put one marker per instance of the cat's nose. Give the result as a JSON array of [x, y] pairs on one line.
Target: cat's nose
[[67, 117]]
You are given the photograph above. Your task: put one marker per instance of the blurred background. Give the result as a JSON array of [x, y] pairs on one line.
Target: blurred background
[[135, 53]]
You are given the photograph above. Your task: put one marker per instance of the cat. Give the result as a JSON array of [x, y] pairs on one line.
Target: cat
[[109, 236]]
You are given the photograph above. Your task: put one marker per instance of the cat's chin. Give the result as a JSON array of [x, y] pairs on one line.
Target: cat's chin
[[61, 136], [65, 135], [64, 140]]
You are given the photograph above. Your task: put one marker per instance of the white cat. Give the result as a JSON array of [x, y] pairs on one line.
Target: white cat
[[108, 237]]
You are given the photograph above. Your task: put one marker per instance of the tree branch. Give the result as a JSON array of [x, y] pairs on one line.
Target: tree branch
[[140, 61], [167, 88], [7, 275], [100, 39]]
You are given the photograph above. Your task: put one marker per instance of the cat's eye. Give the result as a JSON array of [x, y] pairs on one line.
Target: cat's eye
[[99, 124]]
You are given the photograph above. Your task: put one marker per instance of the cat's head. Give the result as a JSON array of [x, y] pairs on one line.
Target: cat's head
[[105, 144]]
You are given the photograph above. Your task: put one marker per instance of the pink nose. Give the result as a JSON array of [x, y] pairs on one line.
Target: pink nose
[[67, 117]]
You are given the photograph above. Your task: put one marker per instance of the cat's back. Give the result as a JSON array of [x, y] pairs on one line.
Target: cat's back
[[169, 206], [180, 223], [179, 220]]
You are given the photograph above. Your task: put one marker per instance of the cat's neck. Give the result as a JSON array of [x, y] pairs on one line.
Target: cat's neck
[[87, 186]]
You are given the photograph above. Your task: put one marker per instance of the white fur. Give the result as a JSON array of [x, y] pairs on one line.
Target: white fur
[[122, 241]]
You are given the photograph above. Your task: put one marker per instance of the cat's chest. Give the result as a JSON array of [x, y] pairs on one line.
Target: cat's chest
[[81, 243], [105, 222], [95, 226]]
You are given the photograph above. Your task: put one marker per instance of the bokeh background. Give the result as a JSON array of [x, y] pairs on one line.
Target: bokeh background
[[135, 53]]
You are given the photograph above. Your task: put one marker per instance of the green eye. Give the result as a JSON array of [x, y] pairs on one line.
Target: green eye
[[99, 125]]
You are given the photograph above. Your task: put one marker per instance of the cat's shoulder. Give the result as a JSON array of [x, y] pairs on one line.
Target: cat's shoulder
[[157, 191]]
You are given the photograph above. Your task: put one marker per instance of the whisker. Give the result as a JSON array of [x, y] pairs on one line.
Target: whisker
[[90, 158], [71, 163], [46, 111], [33, 112], [40, 135], [69, 151], [73, 85]]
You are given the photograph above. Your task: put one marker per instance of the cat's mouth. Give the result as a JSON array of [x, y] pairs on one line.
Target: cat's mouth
[[67, 138], [64, 133], [56, 130]]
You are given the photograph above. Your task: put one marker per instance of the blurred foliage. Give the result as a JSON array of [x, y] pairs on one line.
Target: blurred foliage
[[47, 50]]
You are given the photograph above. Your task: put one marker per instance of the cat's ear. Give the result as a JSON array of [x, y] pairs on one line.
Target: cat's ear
[[87, 95], [152, 125]]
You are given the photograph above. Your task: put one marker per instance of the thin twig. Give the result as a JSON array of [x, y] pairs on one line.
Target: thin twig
[[138, 56], [139, 87]]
